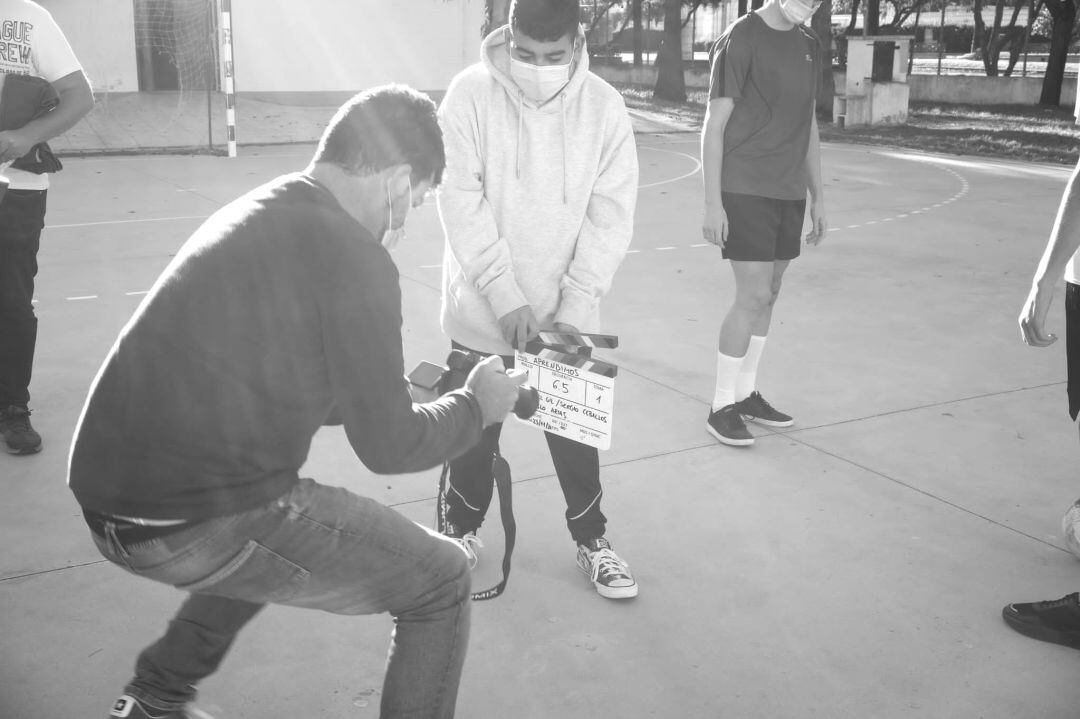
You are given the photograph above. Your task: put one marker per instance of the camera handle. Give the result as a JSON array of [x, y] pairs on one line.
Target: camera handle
[[458, 365]]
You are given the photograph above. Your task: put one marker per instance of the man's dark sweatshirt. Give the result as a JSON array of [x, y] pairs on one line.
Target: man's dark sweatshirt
[[279, 311]]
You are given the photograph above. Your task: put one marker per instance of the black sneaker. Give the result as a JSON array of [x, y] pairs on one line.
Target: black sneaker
[[610, 575], [128, 707], [726, 424], [1057, 621], [757, 409], [19, 436]]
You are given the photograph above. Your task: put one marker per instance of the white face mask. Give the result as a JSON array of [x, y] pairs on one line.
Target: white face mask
[[798, 11], [539, 83], [393, 235]]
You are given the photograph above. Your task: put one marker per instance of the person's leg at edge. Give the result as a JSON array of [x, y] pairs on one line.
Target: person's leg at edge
[[22, 216], [1057, 620]]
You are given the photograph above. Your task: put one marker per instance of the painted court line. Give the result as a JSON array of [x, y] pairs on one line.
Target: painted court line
[[126, 222]]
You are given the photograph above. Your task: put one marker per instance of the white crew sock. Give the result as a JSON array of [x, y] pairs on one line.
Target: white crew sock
[[746, 380], [727, 369]]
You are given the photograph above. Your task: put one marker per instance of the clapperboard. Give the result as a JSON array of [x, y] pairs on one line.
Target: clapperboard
[[577, 391]]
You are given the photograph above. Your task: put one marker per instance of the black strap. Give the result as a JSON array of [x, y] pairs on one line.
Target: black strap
[[500, 468]]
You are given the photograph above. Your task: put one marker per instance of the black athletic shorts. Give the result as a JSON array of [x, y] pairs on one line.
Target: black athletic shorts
[[762, 229], [1072, 346]]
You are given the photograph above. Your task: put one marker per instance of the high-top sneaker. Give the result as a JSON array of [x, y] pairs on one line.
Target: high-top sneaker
[[610, 575]]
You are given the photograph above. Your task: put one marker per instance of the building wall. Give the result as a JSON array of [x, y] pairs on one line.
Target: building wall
[[102, 34], [339, 46]]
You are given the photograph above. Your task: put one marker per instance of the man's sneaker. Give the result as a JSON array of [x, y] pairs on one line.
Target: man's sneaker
[[757, 409], [19, 436], [610, 575], [726, 424], [468, 541], [128, 707], [1057, 621]]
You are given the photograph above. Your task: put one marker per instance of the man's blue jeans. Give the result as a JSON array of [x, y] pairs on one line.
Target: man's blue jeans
[[318, 547]]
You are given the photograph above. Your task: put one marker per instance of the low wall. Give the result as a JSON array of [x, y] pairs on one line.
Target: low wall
[[971, 89], [978, 90]]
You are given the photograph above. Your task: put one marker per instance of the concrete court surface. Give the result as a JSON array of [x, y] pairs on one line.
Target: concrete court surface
[[852, 566]]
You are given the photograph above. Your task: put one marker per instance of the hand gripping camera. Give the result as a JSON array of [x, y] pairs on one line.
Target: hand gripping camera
[[459, 364]]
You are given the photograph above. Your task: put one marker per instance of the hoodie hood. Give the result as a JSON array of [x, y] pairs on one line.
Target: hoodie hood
[[495, 52]]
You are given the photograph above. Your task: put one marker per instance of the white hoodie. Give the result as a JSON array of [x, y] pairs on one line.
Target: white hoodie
[[537, 202]]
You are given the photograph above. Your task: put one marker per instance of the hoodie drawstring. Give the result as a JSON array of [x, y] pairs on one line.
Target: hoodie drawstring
[[521, 124], [562, 96], [520, 130]]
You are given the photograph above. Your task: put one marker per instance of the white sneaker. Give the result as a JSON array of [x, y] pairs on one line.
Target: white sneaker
[[468, 541], [610, 575]]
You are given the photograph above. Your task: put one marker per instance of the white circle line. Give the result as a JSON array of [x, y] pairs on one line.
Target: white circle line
[[696, 161]]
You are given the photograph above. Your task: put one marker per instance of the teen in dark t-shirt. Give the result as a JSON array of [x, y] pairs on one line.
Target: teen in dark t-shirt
[[760, 154]]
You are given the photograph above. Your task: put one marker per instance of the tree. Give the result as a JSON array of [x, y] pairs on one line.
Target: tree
[[873, 14], [635, 14], [600, 13], [901, 11], [873, 17], [1063, 15], [670, 80], [1018, 46], [854, 17], [496, 14], [993, 42]]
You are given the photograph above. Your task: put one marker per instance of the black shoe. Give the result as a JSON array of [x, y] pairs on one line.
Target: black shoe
[[1056, 621], [19, 435], [726, 424], [128, 707], [757, 409]]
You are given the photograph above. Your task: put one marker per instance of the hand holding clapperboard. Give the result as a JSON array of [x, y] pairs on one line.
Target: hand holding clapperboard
[[577, 392]]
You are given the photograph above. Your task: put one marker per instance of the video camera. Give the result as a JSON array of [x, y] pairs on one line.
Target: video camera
[[459, 364]]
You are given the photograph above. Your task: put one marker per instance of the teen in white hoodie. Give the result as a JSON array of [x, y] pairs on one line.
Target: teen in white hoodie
[[537, 205]]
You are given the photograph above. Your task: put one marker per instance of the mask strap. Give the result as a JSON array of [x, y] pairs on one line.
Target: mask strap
[[389, 207]]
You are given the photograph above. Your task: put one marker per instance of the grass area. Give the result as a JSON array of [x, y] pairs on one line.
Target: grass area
[[1018, 132]]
